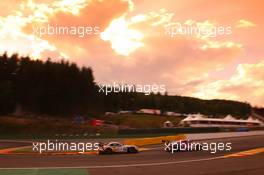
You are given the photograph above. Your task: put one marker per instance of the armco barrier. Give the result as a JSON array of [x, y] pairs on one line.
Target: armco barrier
[[184, 130], [168, 130], [152, 140]]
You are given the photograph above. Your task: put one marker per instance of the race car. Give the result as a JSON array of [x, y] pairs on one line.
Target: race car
[[181, 145], [116, 147]]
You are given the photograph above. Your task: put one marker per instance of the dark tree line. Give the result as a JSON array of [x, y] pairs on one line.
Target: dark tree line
[[259, 111], [63, 88], [44, 87], [179, 104]]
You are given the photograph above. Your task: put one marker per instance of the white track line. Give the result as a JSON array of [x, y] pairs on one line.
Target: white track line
[[119, 166]]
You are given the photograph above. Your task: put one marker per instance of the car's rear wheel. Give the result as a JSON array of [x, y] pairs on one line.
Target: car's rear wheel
[[108, 151], [132, 150]]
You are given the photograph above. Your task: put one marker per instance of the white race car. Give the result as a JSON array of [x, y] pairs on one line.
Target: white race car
[[116, 147]]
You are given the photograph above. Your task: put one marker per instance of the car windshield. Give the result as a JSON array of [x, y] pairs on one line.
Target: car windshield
[[115, 144]]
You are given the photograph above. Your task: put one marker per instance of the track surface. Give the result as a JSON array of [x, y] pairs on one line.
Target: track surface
[[153, 161]]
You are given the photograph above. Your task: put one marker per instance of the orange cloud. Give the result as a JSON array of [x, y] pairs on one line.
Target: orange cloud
[[95, 13], [246, 84], [244, 24]]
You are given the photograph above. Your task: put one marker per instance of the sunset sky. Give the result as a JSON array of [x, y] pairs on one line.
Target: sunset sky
[[133, 46]]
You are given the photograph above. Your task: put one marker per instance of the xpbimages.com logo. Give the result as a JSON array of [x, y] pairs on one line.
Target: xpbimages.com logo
[[147, 89]]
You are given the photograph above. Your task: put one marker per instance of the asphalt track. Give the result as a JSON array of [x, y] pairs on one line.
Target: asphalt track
[[153, 161]]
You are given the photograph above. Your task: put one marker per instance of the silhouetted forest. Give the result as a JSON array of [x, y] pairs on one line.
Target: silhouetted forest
[[259, 111], [63, 89]]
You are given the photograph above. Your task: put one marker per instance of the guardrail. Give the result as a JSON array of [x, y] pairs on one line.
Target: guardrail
[[184, 130]]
